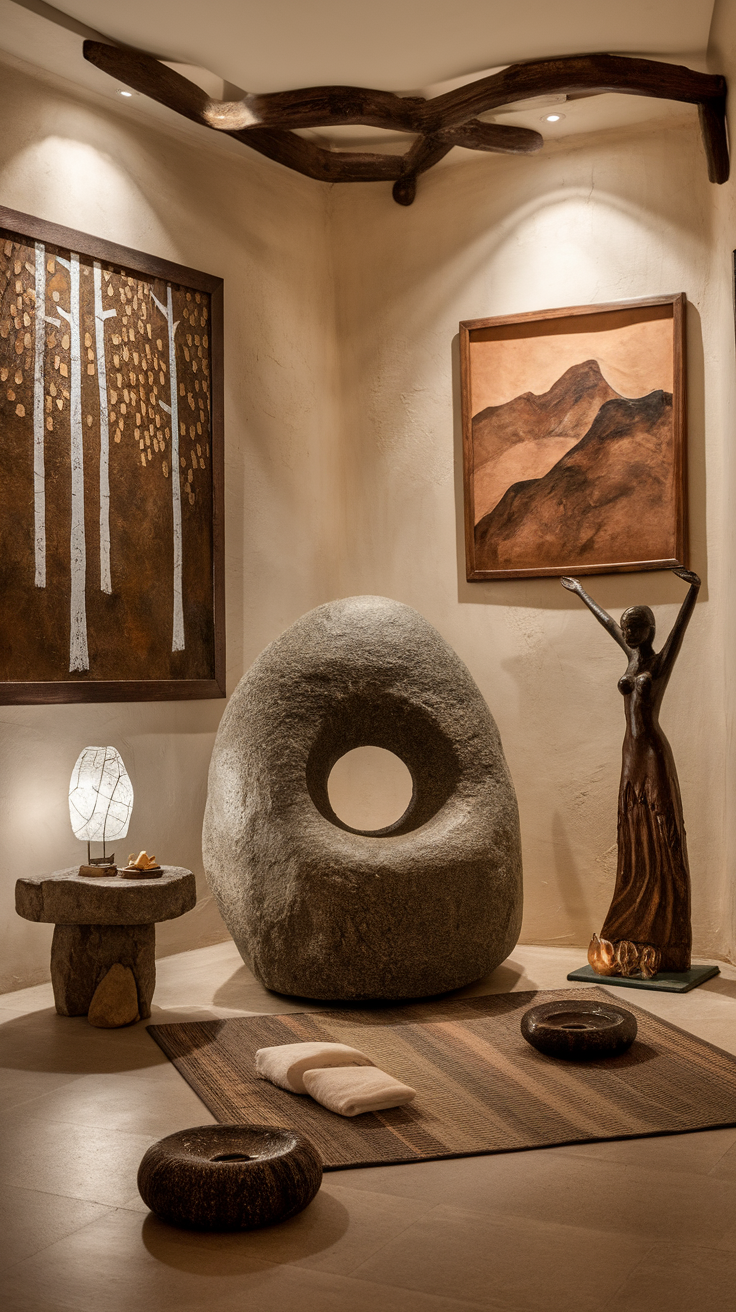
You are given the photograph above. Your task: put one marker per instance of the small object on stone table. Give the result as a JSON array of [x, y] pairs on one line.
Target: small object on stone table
[[141, 866], [579, 1030], [97, 872], [229, 1177]]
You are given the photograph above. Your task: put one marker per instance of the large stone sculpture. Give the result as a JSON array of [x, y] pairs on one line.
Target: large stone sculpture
[[321, 910]]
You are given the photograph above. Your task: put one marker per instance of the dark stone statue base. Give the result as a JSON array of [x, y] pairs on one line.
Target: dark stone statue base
[[667, 981]]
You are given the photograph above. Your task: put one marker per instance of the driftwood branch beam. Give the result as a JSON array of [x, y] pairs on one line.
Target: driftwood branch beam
[[268, 123]]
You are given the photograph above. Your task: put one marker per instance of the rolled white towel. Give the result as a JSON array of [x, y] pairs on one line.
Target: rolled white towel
[[350, 1091], [286, 1063]]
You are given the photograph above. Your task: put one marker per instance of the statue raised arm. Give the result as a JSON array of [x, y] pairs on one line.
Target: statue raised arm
[[647, 928]]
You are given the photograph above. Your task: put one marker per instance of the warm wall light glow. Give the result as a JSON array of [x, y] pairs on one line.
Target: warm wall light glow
[[100, 795], [125, 93], [552, 118]]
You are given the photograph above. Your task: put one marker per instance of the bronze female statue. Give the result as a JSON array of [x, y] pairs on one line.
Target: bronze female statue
[[647, 928]]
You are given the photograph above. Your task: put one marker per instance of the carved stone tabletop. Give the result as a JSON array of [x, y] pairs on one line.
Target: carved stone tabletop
[[100, 923], [66, 898]]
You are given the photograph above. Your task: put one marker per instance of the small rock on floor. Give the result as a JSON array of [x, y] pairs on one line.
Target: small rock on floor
[[115, 1000]]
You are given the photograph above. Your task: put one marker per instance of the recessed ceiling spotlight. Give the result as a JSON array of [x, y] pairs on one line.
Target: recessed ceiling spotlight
[[552, 118], [125, 93]]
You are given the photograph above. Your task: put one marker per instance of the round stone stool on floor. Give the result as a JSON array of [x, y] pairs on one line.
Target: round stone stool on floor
[[321, 910], [579, 1030], [229, 1177]]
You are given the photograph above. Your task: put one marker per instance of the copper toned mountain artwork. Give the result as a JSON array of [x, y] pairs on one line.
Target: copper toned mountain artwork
[[582, 469]]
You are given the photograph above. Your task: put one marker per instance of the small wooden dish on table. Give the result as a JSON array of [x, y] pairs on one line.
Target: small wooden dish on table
[[105, 927]]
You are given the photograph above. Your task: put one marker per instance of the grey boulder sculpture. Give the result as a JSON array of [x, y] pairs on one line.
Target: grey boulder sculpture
[[320, 910]]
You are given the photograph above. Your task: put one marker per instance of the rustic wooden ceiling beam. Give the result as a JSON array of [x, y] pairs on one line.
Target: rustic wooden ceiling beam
[[267, 122]]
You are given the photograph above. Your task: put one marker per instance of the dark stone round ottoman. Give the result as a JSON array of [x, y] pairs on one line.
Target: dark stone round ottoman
[[318, 909], [229, 1177], [579, 1030]]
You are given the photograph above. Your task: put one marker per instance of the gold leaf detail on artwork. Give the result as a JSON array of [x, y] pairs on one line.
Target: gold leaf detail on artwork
[[190, 475], [11, 394], [183, 462], [165, 468], [59, 403], [18, 377], [50, 423], [90, 352], [54, 296], [110, 289], [63, 370], [89, 421], [143, 458], [123, 408], [87, 340], [90, 368], [117, 436], [65, 342], [20, 410]]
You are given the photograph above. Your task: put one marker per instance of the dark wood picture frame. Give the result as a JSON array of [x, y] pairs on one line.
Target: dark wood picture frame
[[521, 325], [133, 264]]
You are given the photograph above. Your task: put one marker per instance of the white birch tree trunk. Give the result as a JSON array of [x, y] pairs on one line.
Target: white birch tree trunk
[[100, 317], [177, 641], [78, 654]]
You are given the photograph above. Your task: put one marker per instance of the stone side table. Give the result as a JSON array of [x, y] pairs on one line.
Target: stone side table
[[100, 923]]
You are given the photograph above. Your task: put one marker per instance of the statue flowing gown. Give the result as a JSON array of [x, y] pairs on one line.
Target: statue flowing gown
[[648, 923]]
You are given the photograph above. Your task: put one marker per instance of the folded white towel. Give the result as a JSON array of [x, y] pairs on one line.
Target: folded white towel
[[286, 1063], [350, 1091]]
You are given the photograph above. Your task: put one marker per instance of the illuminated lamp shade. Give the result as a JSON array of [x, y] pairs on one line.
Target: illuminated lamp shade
[[100, 798]]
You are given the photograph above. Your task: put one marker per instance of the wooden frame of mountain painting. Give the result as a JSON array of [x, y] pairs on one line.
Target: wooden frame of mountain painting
[[574, 443], [111, 500]]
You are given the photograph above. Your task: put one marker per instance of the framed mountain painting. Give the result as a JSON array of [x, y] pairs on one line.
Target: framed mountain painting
[[111, 500], [574, 440]]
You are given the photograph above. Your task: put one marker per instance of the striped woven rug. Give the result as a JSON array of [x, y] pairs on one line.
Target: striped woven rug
[[480, 1087]]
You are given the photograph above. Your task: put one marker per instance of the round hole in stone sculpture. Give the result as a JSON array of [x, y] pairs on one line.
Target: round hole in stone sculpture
[[369, 788]]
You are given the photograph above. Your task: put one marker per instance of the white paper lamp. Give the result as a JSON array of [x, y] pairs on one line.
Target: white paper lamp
[[100, 798]]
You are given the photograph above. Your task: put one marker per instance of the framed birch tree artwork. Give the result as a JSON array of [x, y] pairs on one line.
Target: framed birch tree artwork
[[111, 498], [574, 440]]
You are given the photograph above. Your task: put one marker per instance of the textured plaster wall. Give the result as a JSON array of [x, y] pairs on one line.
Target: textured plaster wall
[[588, 220], [80, 161], [344, 474]]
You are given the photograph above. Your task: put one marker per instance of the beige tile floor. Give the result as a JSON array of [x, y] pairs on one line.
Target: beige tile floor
[[641, 1225]]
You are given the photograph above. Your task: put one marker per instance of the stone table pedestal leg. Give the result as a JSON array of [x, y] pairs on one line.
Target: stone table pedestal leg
[[81, 956]]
